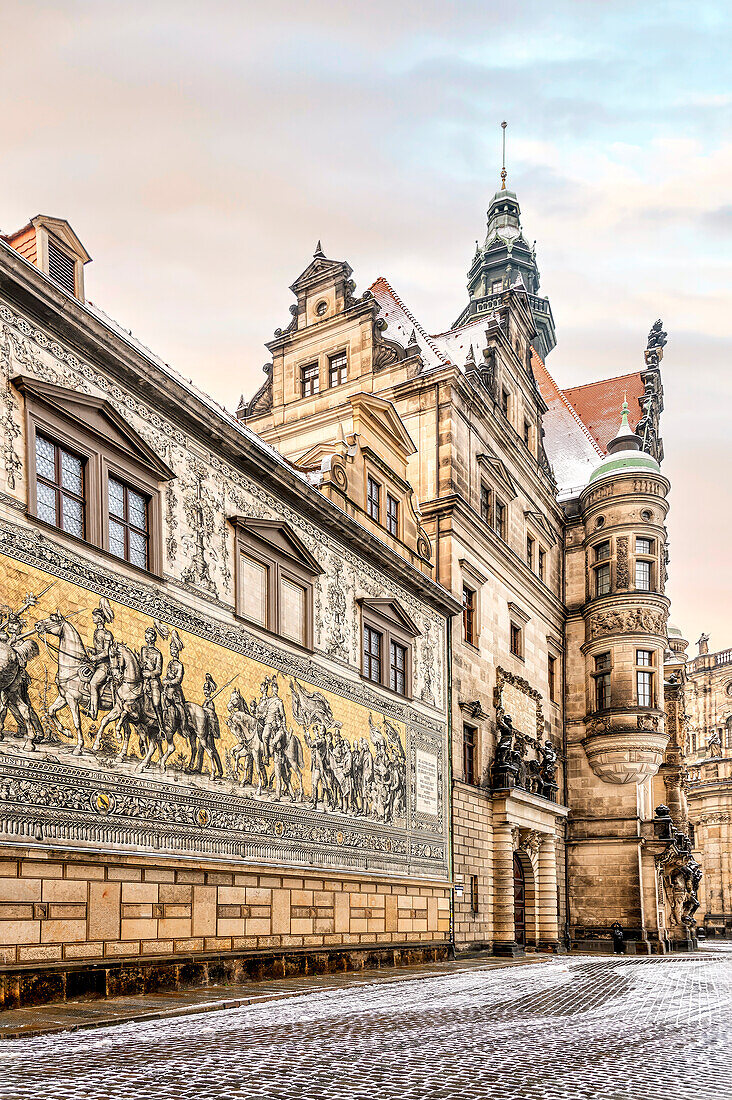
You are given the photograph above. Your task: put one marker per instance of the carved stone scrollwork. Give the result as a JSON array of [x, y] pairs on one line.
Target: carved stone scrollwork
[[338, 475], [641, 620], [648, 722], [262, 400], [424, 546], [622, 572]]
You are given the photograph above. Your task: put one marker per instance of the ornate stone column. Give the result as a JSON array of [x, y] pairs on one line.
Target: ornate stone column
[[504, 933], [546, 887]]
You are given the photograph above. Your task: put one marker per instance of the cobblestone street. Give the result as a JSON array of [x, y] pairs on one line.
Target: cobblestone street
[[569, 1029]]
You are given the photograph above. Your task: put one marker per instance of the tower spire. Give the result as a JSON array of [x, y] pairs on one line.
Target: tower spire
[[504, 173]]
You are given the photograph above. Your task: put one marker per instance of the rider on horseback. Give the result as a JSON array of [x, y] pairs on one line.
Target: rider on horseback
[[174, 702], [151, 667], [100, 655]]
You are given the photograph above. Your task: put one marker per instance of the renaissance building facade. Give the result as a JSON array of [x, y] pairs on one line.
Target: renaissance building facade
[[198, 775], [707, 696], [543, 511]]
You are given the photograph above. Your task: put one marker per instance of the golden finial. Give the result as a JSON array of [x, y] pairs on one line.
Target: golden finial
[[504, 173]]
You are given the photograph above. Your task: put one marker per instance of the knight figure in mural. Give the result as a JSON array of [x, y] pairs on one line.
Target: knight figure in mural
[[151, 667], [99, 655], [16, 650]]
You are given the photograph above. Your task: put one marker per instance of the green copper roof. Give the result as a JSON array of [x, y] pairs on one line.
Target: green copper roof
[[626, 460]]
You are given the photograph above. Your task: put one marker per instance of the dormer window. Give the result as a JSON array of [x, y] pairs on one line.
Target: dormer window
[[54, 248]]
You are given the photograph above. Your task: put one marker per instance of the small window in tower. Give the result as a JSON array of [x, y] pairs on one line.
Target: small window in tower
[[602, 681], [552, 675], [644, 546], [602, 551], [643, 576], [602, 580]]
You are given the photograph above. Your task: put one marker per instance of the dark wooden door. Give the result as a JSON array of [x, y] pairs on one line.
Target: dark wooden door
[[519, 902]]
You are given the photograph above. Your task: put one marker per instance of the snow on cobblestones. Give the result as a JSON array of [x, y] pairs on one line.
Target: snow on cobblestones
[[565, 1029]]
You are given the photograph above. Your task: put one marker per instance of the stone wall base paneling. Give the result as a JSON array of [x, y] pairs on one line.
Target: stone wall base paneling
[[77, 924]]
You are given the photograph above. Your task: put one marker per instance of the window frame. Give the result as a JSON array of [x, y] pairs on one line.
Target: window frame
[[500, 514], [530, 547], [125, 522], [57, 486], [470, 753], [253, 539], [102, 456], [379, 616], [340, 360], [474, 899], [310, 372], [371, 658], [486, 503], [390, 515], [516, 635], [470, 616], [603, 570], [541, 559], [645, 566], [394, 670], [646, 670], [371, 501], [551, 676], [602, 674]]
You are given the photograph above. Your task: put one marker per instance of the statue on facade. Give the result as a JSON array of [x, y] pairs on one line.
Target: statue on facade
[[507, 758], [548, 770], [714, 744], [703, 645]]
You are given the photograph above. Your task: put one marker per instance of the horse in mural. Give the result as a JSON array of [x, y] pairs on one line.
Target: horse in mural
[[258, 748], [14, 683], [73, 674], [133, 708]]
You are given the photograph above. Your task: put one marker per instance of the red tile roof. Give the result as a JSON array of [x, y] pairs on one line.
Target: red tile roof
[[599, 404]]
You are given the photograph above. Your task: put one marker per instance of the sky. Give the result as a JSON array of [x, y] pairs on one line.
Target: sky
[[200, 150]]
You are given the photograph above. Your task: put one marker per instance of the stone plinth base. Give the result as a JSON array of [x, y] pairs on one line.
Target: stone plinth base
[[32, 985], [551, 947], [511, 950]]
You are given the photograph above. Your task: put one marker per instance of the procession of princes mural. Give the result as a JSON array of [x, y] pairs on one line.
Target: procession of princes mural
[[122, 700]]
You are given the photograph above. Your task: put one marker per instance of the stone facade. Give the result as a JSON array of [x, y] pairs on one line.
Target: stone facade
[[707, 695], [244, 804]]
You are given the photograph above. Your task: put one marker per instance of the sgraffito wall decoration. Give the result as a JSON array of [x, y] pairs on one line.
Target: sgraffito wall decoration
[[130, 719]]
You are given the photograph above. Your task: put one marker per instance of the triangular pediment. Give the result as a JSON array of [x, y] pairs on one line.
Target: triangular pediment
[[60, 228], [393, 612], [95, 416], [500, 472], [540, 522], [281, 537], [321, 270], [384, 417]]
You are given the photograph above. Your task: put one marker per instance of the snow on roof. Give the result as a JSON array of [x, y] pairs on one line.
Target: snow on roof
[[572, 450]]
